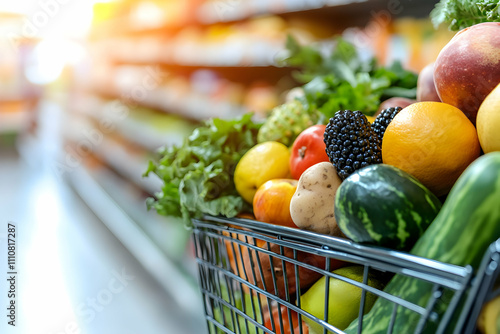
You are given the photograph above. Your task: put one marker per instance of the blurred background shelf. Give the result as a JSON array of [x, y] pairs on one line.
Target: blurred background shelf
[[148, 128], [13, 120], [150, 17]]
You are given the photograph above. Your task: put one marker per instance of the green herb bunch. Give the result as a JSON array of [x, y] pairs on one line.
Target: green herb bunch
[[343, 80], [460, 14]]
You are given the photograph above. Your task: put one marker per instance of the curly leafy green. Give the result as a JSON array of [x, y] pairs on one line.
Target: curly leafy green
[[343, 80], [460, 14], [198, 175]]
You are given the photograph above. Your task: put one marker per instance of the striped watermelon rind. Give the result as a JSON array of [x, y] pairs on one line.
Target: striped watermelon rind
[[383, 205]]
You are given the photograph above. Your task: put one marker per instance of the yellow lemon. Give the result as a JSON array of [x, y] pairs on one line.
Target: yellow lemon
[[263, 162], [488, 122], [343, 302]]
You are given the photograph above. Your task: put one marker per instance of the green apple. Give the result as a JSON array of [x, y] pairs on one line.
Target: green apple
[[344, 299]]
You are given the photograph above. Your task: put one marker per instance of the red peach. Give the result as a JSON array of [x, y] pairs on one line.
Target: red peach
[[468, 67]]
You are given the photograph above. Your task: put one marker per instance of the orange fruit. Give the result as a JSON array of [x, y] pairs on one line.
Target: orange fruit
[[433, 141], [271, 203]]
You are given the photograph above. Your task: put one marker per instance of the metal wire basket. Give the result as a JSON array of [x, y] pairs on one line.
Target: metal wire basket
[[252, 275]]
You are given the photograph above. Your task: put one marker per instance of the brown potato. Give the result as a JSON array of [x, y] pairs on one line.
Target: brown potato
[[312, 205]]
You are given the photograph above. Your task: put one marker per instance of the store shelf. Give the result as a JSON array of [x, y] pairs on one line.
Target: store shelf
[[213, 12], [158, 228], [151, 18], [152, 50], [129, 164], [218, 11], [129, 161], [163, 99], [14, 121], [140, 126]]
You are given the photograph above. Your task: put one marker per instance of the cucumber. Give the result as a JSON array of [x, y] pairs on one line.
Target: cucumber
[[461, 233], [384, 206]]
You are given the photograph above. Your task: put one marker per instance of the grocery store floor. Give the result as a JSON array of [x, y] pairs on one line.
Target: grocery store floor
[[74, 276]]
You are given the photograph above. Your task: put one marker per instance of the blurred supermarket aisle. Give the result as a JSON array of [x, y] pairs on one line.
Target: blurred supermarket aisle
[[74, 275]]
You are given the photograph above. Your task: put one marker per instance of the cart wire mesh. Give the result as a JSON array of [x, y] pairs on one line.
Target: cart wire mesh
[[252, 276]]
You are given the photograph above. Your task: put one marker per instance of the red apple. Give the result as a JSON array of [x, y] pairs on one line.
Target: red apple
[[426, 90], [468, 67], [271, 203]]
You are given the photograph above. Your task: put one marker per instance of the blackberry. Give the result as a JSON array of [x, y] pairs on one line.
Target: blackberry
[[351, 143], [383, 119]]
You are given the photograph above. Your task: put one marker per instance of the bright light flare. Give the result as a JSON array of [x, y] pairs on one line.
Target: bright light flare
[[49, 58]]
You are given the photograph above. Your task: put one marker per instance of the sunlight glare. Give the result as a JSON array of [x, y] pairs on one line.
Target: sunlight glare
[[50, 57]]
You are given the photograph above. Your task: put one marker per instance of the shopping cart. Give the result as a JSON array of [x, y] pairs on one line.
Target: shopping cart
[[241, 292]]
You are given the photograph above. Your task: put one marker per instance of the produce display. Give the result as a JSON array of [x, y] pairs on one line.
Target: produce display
[[364, 152]]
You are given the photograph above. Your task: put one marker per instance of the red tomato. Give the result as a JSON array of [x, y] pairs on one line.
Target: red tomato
[[286, 321], [307, 150]]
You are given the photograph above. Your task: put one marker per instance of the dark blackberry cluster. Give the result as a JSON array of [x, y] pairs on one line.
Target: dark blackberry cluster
[[351, 143], [383, 119]]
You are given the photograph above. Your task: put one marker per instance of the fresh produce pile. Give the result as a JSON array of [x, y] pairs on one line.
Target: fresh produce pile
[[422, 175]]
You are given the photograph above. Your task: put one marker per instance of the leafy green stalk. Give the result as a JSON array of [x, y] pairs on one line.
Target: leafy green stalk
[[460, 14], [198, 175]]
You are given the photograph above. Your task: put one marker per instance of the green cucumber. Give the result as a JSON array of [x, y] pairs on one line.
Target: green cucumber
[[384, 206], [461, 233]]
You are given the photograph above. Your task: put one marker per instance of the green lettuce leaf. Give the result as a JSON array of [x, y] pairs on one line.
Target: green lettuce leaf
[[198, 175]]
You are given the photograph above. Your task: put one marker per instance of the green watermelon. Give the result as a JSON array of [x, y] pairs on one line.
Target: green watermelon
[[384, 206], [461, 233]]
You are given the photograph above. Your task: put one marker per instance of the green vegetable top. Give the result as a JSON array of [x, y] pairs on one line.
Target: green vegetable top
[[198, 176], [343, 80], [460, 14]]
